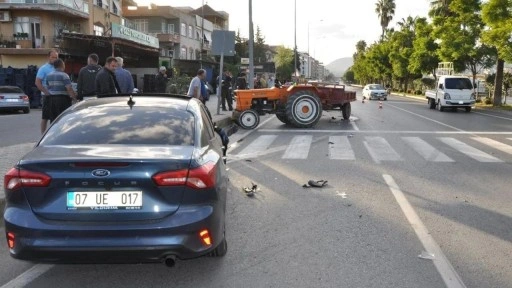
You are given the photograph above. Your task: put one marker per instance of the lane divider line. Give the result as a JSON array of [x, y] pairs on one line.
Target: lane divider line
[[28, 276]]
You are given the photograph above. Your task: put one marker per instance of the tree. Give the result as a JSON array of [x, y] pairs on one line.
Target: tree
[[460, 37], [401, 50], [259, 47], [424, 57], [349, 75], [241, 46], [497, 15], [284, 62], [439, 8], [385, 10]]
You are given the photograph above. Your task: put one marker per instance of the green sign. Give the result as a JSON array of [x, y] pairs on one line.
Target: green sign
[[120, 31]]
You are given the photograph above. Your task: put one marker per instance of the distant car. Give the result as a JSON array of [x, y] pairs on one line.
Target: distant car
[[12, 98], [375, 91], [118, 179]]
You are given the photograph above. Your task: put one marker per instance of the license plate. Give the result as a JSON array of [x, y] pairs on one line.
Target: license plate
[[105, 200], [11, 100], [461, 102]]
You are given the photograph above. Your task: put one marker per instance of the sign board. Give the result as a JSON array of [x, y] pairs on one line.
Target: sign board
[[244, 61], [223, 42], [120, 31]]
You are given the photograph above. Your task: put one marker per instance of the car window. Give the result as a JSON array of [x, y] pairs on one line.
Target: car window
[[10, 90], [122, 125], [458, 83], [207, 132], [376, 87]]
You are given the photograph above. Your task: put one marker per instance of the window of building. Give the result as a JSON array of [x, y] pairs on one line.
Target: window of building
[[141, 25], [101, 3], [183, 54], [98, 30], [22, 26], [191, 54], [163, 29], [183, 29], [190, 32], [170, 28], [115, 7]]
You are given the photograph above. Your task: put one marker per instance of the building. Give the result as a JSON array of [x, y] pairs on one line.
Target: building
[[76, 28]]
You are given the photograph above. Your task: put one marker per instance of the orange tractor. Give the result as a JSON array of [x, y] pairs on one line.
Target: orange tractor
[[297, 105]]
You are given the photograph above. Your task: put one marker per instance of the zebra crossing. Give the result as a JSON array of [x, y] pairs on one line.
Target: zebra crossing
[[378, 147]]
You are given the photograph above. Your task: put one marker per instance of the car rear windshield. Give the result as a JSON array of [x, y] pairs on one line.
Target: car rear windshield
[[10, 90], [458, 83], [122, 125]]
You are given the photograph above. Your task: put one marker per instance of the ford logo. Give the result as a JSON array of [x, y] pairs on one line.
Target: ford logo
[[100, 173]]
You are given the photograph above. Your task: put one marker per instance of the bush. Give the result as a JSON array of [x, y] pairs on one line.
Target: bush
[[479, 100], [409, 91], [400, 90], [418, 92], [488, 101]]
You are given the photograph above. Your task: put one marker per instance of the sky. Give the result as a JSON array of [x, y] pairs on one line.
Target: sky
[[335, 26]]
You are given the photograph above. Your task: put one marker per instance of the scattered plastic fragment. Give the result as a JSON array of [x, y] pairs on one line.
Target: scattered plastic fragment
[[248, 160], [314, 183], [426, 255], [343, 195], [331, 142], [250, 191]]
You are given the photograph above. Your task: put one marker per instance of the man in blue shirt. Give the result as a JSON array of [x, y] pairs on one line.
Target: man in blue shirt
[[41, 81], [61, 92], [124, 77]]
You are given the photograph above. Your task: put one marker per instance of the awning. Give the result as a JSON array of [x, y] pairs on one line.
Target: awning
[[208, 36], [198, 34]]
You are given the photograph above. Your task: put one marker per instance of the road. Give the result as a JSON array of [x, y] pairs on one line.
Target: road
[[415, 198]]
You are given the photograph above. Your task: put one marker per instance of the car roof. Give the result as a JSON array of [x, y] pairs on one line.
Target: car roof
[[147, 99]]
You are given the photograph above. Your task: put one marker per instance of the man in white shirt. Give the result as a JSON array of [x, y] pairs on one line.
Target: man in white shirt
[[194, 90]]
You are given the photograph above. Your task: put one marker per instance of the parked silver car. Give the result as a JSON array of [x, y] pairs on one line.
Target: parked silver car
[[12, 98], [375, 91]]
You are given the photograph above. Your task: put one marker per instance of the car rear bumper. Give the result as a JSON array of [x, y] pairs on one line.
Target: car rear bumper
[[14, 105], [60, 242]]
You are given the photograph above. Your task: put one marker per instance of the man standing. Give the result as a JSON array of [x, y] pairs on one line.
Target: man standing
[[106, 82], [161, 80], [226, 91], [194, 89], [86, 83], [124, 77], [60, 92], [41, 82]]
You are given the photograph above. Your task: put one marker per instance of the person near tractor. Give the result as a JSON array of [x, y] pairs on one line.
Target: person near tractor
[[60, 93], [194, 89], [226, 91], [263, 82], [241, 82], [161, 80], [86, 83]]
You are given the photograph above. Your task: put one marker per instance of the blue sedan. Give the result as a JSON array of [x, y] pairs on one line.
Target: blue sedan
[[120, 180]]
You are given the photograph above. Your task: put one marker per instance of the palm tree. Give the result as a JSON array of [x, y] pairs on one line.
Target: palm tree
[[385, 10]]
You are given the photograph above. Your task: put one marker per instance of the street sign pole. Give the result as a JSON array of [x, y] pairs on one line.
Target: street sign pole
[[219, 85]]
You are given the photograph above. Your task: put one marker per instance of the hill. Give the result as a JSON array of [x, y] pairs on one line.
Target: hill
[[339, 66]]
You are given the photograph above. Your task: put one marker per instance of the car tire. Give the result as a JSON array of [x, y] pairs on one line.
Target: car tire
[[440, 107], [303, 109], [432, 103], [346, 110], [249, 119], [282, 118], [221, 250], [26, 110], [386, 99], [468, 109]]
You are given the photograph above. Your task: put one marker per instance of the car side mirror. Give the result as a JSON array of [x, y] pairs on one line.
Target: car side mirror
[[441, 86]]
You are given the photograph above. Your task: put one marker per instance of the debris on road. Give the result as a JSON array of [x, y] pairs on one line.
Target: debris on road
[[314, 183], [426, 255], [331, 142], [250, 191], [343, 194], [351, 135], [248, 160]]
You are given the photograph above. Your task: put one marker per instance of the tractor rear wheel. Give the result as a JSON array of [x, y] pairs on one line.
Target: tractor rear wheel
[[346, 110], [303, 109], [249, 119], [282, 118]]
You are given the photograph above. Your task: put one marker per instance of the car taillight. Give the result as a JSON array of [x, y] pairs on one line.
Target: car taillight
[[10, 240], [17, 178], [1, 97], [205, 237], [198, 178], [24, 97]]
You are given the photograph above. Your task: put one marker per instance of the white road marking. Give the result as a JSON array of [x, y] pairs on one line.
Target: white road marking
[[28, 276], [354, 125], [380, 150], [383, 132], [490, 115], [469, 150], [259, 145], [236, 137], [426, 118], [450, 277], [426, 150], [299, 147], [494, 144], [340, 148]]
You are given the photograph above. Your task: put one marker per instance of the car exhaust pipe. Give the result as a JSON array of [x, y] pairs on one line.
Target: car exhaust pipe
[[170, 261]]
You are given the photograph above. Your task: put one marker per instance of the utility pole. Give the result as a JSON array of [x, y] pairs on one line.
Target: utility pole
[[202, 36], [251, 49], [295, 41]]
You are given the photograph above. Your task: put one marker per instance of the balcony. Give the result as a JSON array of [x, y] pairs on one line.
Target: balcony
[[207, 46], [78, 8], [166, 37]]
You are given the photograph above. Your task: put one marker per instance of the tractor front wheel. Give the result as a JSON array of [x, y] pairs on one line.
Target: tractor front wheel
[[249, 119], [303, 109], [346, 110]]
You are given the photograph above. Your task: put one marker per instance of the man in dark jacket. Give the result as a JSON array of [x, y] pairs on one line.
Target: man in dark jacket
[[161, 80], [86, 83], [106, 82]]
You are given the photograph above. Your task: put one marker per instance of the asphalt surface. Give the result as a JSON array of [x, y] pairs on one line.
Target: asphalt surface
[[403, 182]]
